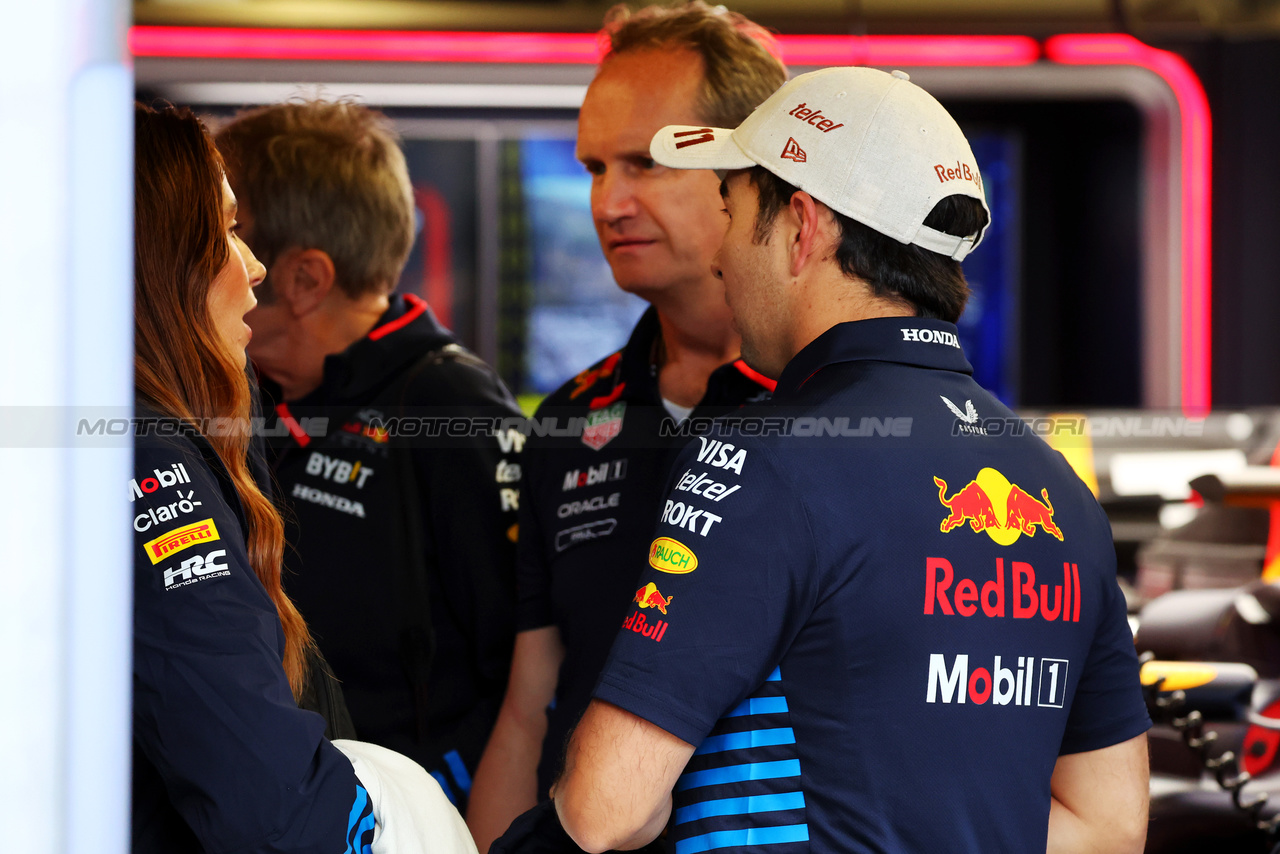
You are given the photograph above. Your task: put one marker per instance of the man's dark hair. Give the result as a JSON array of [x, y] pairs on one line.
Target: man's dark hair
[[933, 284]]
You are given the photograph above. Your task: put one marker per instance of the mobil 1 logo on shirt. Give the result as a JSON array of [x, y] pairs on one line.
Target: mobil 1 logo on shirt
[[1016, 680]]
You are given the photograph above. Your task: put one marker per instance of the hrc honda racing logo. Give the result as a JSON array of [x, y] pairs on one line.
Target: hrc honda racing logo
[[197, 568]]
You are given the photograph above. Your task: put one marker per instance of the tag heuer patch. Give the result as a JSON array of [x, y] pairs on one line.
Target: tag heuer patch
[[603, 425]]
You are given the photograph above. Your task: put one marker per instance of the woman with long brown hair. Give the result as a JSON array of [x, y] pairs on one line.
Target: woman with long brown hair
[[224, 759]]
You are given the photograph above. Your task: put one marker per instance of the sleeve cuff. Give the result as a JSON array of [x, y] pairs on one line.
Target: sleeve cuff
[[1096, 738]]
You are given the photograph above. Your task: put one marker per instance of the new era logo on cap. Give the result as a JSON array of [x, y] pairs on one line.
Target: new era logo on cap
[[793, 151], [889, 152]]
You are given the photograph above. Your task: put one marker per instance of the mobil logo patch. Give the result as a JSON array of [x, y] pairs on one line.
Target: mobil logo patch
[[990, 503], [1014, 681], [174, 475], [590, 476], [672, 556]]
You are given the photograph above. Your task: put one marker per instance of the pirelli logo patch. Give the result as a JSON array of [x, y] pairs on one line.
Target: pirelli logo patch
[[197, 533]]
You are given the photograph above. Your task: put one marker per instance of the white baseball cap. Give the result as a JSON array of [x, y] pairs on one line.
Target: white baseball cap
[[873, 146]]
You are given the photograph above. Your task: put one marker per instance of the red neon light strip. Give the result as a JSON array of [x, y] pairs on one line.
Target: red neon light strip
[[363, 45], [909, 50], [565, 48], [1196, 179]]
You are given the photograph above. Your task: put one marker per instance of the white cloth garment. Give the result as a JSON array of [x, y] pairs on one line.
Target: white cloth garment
[[413, 815]]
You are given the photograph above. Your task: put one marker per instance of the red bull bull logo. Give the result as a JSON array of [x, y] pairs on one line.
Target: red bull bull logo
[[1004, 511], [649, 597], [1024, 513]]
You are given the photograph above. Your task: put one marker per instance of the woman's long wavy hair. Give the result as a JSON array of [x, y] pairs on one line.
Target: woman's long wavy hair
[[181, 366]]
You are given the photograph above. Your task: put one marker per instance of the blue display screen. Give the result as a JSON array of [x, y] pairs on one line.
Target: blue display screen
[[989, 327], [577, 315]]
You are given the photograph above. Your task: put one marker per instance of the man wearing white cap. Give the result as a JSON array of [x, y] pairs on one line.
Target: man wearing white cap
[[889, 624]]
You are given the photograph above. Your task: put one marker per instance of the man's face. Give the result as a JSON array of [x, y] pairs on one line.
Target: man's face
[[658, 227], [755, 276]]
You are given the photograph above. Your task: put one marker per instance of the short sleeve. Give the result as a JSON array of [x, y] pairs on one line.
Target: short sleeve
[[533, 571], [730, 580], [213, 712], [1108, 706]]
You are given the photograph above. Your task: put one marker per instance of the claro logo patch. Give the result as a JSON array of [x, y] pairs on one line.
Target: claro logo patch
[[673, 556], [197, 533]]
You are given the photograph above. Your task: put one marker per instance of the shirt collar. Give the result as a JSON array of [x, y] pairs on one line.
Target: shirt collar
[[731, 383], [638, 371], [915, 341]]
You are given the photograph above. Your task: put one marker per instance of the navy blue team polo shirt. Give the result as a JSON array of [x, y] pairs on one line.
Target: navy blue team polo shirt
[[881, 607]]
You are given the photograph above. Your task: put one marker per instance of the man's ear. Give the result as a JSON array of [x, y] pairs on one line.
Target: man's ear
[[302, 279], [807, 232]]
